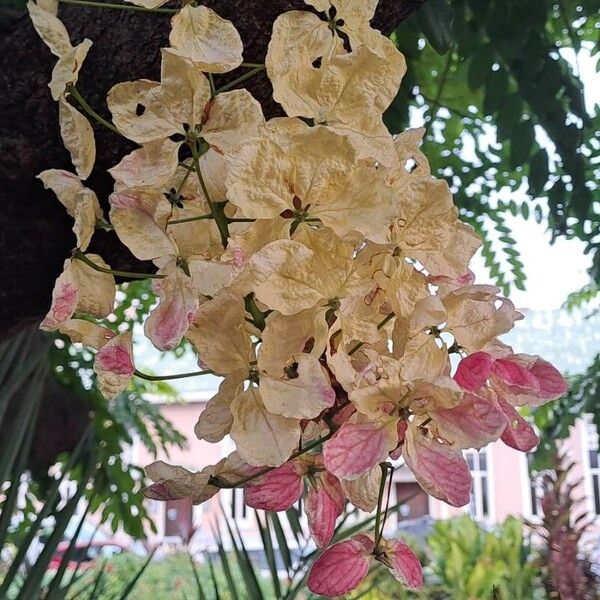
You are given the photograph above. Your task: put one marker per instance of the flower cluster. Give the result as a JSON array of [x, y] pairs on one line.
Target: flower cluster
[[312, 261]]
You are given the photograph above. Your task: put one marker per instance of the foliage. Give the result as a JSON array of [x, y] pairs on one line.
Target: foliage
[[503, 103], [563, 523], [469, 562]]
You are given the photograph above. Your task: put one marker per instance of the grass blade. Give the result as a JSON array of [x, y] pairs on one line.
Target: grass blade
[[267, 541], [282, 544], [129, 587], [201, 594]]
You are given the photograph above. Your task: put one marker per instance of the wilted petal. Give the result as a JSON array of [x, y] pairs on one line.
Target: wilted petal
[[339, 570], [78, 137], [439, 469], [302, 397], [278, 490], [86, 333], [474, 370], [215, 421], [66, 69], [514, 374], [176, 483], [152, 165], [357, 447], [114, 365], [50, 29], [210, 42]]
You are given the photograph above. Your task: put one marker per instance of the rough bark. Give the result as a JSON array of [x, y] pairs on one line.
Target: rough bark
[[35, 232]]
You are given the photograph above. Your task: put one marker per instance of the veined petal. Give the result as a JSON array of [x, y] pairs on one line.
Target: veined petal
[[339, 570], [114, 365], [278, 490], [474, 370]]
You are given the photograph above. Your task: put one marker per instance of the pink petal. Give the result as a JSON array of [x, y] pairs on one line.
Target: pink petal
[[115, 358], [473, 371], [552, 383], [405, 565], [439, 469], [518, 433], [356, 447], [278, 490], [515, 374], [476, 422], [322, 513], [339, 570], [65, 296], [168, 323]]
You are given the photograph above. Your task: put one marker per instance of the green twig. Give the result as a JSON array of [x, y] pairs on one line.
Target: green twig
[[219, 217], [189, 219], [79, 255], [241, 78], [71, 89], [383, 467], [387, 502], [110, 5], [175, 376]]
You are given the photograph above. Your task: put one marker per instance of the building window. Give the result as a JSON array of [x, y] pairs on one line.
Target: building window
[[593, 461], [479, 506]]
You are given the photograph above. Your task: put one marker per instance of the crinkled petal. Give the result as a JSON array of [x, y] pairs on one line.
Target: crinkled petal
[[78, 137], [86, 333], [65, 297], [362, 492], [66, 70], [304, 396], [210, 42], [322, 511], [51, 29]]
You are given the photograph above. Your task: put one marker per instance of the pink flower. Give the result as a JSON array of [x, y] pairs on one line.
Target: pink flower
[[343, 566], [279, 489]]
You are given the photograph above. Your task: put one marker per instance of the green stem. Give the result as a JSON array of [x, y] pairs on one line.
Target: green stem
[[189, 219], [166, 11], [88, 109], [241, 78], [387, 502], [379, 326], [219, 218], [383, 467], [168, 377], [241, 220], [253, 65], [79, 255], [223, 484]]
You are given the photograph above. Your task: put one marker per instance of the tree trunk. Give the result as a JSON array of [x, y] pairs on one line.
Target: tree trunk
[[35, 231]]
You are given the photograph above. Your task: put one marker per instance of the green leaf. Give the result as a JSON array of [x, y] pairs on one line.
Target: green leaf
[[521, 143], [538, 172], [496, 88], [481, 67], [509, 115], [435, 18]]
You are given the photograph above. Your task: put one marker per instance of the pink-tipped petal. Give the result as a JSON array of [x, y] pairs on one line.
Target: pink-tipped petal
[[518, 433], [356, 447], [339, 570], [439, 469], [278, 490], [473, 371], [404, 564], [114, 366]]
